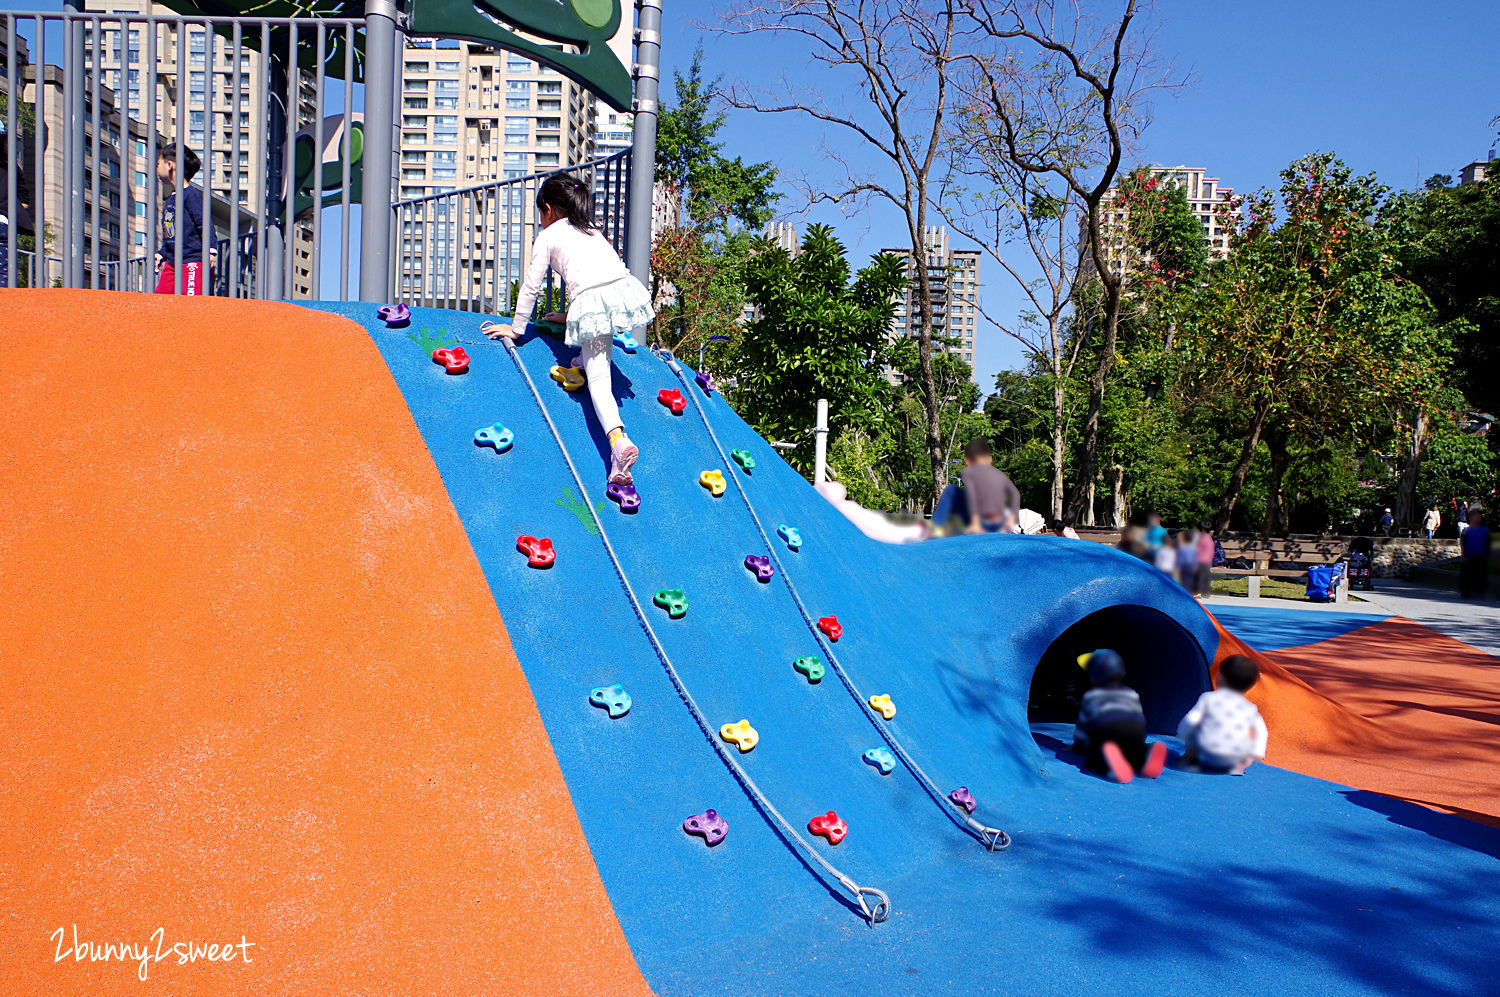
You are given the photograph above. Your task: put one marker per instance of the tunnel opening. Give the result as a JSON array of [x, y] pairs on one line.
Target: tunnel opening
[[1162, 662]]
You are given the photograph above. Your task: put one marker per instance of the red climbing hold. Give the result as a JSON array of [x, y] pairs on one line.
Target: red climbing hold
[[672, 399], [830, 626], [830, 826], [453, 359], [538, 550]]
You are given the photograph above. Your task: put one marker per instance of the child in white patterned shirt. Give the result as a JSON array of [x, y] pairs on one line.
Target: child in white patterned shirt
[[1224, 731]]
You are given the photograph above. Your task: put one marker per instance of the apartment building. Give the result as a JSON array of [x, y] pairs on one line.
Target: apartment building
[[953, 275], [221, 105], [1204, 196]]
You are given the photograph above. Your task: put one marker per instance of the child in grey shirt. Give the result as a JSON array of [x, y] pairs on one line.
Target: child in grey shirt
[[1111, 729]]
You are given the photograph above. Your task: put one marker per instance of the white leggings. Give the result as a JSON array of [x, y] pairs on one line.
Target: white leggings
[[600, 373]]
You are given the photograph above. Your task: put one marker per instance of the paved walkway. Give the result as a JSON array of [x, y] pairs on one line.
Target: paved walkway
[[1476, 623]]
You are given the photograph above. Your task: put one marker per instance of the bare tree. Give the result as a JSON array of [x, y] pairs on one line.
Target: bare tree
[[988, 198], [1062, 94], [899, 54]]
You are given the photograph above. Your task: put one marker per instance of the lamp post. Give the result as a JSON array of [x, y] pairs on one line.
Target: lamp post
[[704, 345]]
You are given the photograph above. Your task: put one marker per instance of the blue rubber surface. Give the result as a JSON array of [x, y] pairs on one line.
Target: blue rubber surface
[[1271, 629], [1182, 885]]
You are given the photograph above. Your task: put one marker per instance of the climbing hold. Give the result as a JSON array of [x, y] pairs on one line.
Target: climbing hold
[[571, 378], [613, 698], [626, 495], [709, 825], [811, 667], [743, 459], [705, 381], [626, 342], [741, 734], [713, 481], [830, 626], [672, 600], [453, 359], [961, 797], [882, 704], [538, 550], [761, 565], [672, 399], [496, 436], [830, 826], [882, 759], [394, 315], [790, 534]]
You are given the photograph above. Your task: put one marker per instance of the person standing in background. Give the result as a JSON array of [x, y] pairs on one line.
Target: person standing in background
[[1432, 521]]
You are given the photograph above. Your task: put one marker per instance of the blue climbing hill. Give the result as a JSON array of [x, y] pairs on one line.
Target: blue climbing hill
[[1181, 885]]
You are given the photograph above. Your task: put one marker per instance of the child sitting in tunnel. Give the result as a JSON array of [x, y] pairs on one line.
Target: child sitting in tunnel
[[1111, 729], [1224, 731]]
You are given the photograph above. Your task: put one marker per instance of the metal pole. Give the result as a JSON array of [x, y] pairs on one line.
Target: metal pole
[[820, 444], [643, 146], [74, 197], [380, 123]]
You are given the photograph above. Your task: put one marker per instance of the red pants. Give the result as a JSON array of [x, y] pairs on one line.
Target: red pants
[[192, 283]]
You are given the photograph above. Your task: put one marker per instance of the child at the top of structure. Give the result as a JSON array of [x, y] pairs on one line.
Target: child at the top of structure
[[1111, 729], [603, 299], [1224, 730]]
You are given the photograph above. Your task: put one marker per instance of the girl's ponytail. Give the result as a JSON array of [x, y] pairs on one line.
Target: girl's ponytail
[[569, 198]]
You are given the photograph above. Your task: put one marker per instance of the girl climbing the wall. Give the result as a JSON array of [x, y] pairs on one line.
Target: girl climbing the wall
[[603, 299]]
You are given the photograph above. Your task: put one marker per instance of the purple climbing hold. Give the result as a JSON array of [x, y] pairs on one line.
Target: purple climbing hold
[[961, 797], [394, 315], [706, 382], [761, 565], [626, 495], [709, 825]]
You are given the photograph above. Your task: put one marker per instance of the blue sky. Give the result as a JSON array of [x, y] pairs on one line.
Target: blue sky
[[1404, 90]]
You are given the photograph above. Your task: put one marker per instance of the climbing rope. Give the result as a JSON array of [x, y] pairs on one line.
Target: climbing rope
[[991, 837], [873, 903]]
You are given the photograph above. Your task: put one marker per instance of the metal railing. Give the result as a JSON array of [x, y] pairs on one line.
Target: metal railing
[[90, 100], [465, 249]]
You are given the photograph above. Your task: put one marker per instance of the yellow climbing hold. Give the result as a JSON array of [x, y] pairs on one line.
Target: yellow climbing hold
[[713, 481], [571, 378], [882, 704], [741, 734]]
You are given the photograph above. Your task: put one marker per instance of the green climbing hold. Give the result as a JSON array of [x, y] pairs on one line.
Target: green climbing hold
[[811, 667], [672, 600], [428, 342], [743, 459]]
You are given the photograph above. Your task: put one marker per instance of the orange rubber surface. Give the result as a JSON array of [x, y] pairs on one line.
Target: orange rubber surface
[[1394, 708], [255, 686]]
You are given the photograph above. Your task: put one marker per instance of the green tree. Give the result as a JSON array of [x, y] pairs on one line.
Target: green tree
[[1457, 465], [1307, 329], [697, 264], [818, 336]]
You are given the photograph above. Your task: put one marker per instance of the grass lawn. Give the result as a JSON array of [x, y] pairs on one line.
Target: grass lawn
[[1270, 588]]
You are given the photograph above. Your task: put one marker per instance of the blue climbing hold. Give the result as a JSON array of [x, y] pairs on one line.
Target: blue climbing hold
[[882, 759], [790, 534], [626, 342], [496, 436], [613, 698]]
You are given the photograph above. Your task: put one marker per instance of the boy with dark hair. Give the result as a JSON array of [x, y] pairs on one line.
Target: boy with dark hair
[[1224, 731], [191, 228], [1111, 729], [988, 502]]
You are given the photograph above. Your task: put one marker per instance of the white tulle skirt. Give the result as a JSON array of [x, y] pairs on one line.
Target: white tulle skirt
[[619, 306]]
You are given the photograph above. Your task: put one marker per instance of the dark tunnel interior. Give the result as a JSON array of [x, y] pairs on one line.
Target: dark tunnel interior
[[1162, 662]]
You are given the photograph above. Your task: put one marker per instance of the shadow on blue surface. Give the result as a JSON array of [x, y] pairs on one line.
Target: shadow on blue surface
[[1180, 885], [1269, 628]]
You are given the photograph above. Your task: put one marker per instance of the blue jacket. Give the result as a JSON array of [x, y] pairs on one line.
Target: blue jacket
[[192, 231]]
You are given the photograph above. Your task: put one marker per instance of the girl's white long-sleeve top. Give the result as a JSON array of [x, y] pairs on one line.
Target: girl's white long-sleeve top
[[582, 259]]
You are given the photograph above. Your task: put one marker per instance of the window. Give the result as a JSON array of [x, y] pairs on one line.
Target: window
[[449, 87], [518, 86], [549, 88], [515, 159], [517, 63], [413, 121], [415, 103], [445, 103], [418, 67], [549, 123], [549, 105], [447, 67], [518, 103], [516, 124], [138, 209], [420, 138], [139, 238], [195, 88], [515, 140], [546, 159], [410, 156]]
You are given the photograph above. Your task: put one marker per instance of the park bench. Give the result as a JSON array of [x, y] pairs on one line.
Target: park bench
[[1278, 557]]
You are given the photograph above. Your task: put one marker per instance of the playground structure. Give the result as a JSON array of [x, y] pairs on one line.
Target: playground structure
[[91, 153], [290, 667]]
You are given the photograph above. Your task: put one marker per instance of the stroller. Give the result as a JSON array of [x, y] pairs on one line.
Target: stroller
[[1360, 559]]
